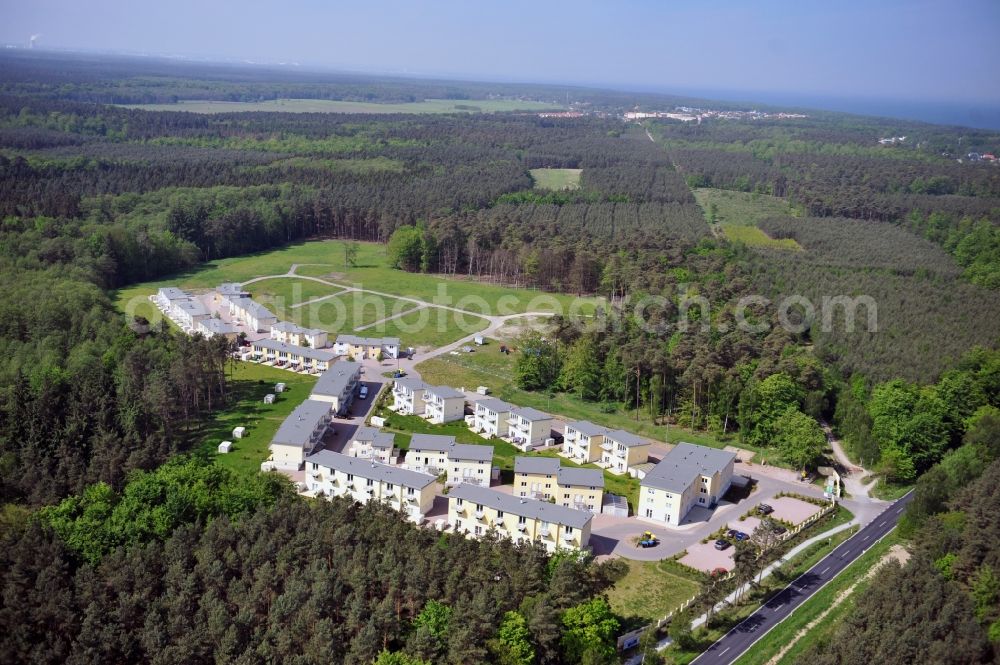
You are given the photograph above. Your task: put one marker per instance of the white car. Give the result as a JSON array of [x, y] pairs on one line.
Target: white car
[[363, 393]]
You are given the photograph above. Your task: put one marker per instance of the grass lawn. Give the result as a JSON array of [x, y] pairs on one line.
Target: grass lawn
[[330, 106], [348, 311], [741, 208], [430, 328], [249, 382], [488, 367], [754, 237], [281, 292], [326, 259], [769, 646], [556, 179], [648, 592], [888, 491]]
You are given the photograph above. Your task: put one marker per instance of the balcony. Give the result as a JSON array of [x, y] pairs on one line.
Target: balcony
[[544, 532], [569, 437], [568, 537], [480, 514], [607, 446]]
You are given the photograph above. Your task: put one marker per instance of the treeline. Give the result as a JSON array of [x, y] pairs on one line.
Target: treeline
[[951, 584], [193, 564]]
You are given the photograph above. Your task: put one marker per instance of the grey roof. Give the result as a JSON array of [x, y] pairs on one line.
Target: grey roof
[[587, 428], [368, 469], [367, 341], [375, 436], [529, 414], [494, 404], [288, 326], [456, 451], [411, 384], [193, 307], [445, 392], [627, 439], [542, 510], [684, 464], [301, 423], [571, 475], [536, 464], [337, 378], [304, 351], [230, 289], [253, 307], [172, 293]]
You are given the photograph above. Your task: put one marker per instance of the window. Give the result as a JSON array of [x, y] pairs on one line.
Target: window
[[458, 524], [350, 477], [566, 495], [459, 501], [410, 491], [521, 519], [524, 483], [479, 507], [523, 493], [315, 466], [569, 529], [499, 514], [479, 530], [649, 512], [369, 482], [480, 472], [389, 487], [548, 485]]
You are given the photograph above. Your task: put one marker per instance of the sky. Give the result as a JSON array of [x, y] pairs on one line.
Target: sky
[[944, 51]]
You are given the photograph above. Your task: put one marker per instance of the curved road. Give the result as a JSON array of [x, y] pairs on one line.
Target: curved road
[[733, 644]]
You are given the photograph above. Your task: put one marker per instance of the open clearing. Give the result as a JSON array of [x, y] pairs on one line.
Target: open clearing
[[281, 293], [738, 213], [331, 106], [649, 592], [754, 237], [556, 179]]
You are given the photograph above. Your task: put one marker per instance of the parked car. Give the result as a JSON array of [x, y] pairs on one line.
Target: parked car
[[741, 536], [778, 529], [721, 544], [363, 393], [765, 509], [731, 533]]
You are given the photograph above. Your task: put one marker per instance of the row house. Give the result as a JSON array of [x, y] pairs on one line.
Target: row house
[[475, 511], [217, 327], [289, 356], [332, 474], [462, 462], [299, 435], [337, 385], [360, 348], [254, 316], [291, 333], [543, 478]]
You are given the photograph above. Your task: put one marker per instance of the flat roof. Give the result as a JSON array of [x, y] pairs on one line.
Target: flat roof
[[301, 423], [494, 404], [627, 439], [540, 510], [586, 427], [335, 380], [685, 464], [375, 436], [571, 475], [363, 468], [304, 351], [445, 392], [447, 444], [529, 414], [543, 465]]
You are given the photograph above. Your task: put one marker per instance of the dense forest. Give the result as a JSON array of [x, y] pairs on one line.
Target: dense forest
[[118, 546]]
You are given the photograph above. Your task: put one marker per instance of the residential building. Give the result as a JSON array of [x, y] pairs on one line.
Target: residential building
[[167, 295], [408, 396], [299, 435], [623, 450], [687, 476], [290, 333], [474, 510], [255, 316], [187, 313], [528, 428], [490, 416], [443, 404], [372, 443], [582, 441], [337, 385], [212, 327], [544, 478], [223, 292], [463, 462], [332, 474], [289, 356], [359, 348]]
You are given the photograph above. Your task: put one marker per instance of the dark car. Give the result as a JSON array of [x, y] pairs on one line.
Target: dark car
[[721, 544], [731, 533], [778, 529], [765, 509], [741, 536]]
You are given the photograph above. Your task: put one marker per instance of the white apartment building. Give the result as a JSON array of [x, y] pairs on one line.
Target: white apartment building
[[374, 444], [359, 348], [582, 441], [299, 435], [337, 385], [290, 333], [528, 428], [623, 450], [408, 396], [686, 477], [212, 327], [436, 454], [332, 474], [443, 404], [254, 315], [489, 418]]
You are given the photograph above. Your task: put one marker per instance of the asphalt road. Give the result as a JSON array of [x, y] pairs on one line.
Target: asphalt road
[[732, 645]]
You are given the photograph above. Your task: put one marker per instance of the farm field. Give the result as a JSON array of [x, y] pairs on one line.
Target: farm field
[[488, 367], [249, 383], [332, 106], [556, 179], [649, 591]]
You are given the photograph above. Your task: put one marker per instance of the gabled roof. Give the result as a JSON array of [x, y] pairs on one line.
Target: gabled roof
[[334, 381], [571, 475], [455, 451], [540, 510], [376, 437], [289, 327], [627, 439], [411, 384], [548, 466], [445, 392], [304, 351], [217, 326], [172, 293], [253, 308], [230, 289], [368, 469], [587, 428], [494, 404], [298, 427], [529, 414], [357, 340], [684, 465], [192, 307]]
